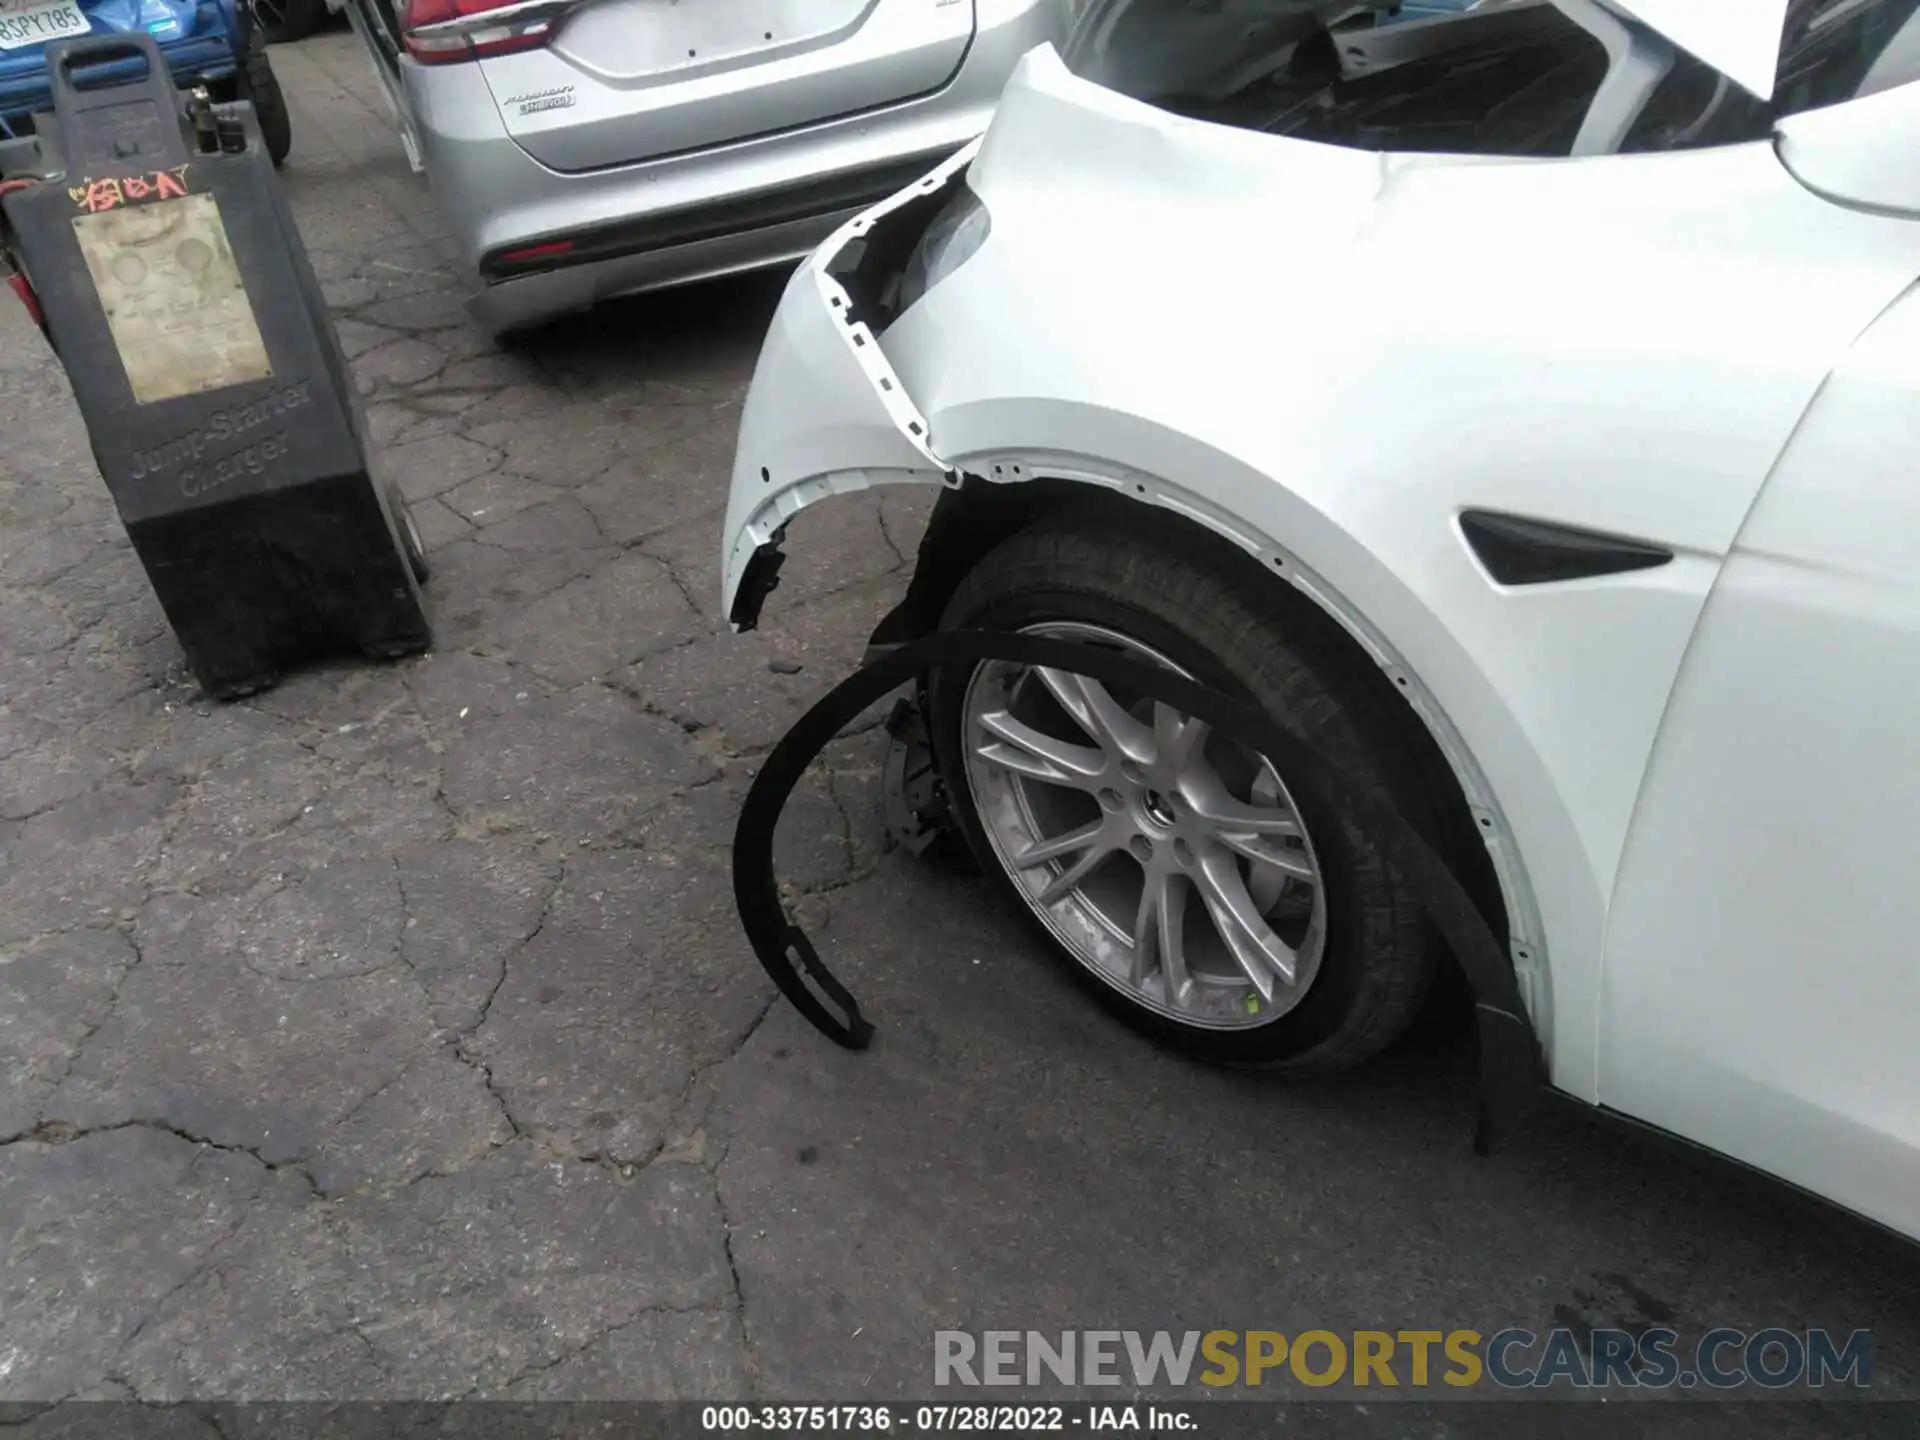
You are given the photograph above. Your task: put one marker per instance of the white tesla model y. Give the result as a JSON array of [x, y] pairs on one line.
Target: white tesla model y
[[1520, 404]]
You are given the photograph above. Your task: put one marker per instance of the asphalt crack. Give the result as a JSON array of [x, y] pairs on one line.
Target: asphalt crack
[[687, 724], [438, 749], [574, 1352], [519, 947], [671, 1147], [674, 577], [107, 1012], [461, 1046], [58, 1132], [209, 1259], [901, 560], [739, 1307]]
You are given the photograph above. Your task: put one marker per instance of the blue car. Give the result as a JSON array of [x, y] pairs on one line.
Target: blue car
[[1427, 9], [215, 43]]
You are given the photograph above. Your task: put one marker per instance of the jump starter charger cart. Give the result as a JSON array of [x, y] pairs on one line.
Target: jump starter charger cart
[[152, 231]]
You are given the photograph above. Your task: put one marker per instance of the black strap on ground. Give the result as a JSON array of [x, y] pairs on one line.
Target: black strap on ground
[[1512, 1074]]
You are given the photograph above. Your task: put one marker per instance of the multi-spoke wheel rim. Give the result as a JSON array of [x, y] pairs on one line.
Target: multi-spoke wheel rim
[[271, 13], [1111, 813]]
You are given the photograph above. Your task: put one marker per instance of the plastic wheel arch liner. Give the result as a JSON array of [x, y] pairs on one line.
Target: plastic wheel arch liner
[[1512, 1068]]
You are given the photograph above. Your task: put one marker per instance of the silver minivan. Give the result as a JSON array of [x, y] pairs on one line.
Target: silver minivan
[[582, 149]]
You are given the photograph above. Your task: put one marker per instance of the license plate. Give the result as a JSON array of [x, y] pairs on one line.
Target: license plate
[[34, 22]]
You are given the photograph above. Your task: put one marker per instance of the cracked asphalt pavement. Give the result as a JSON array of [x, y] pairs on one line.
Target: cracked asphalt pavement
[[390, 1034]]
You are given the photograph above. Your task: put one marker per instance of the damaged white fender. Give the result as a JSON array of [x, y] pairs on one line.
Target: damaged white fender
[[1691, 762], [825, 414], [1326, 355]]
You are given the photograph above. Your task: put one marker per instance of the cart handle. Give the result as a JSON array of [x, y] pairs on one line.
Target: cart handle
[[143, 130]]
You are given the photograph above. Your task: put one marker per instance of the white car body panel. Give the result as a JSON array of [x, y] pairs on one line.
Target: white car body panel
[[1860, 153], [1711, 294], [1699, 783], [1780, 1021], [1739, 38]]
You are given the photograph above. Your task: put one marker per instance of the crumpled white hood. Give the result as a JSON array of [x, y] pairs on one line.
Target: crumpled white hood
[[1739, 38]]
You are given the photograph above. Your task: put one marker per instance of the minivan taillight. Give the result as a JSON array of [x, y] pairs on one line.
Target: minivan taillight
[[451, 32]]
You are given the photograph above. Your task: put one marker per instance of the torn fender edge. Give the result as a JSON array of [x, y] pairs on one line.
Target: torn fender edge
[[761, 533], [765, 531], [855, 333], [1513, 1072]]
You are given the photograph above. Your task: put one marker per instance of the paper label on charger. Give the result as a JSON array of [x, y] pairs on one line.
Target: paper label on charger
[[171, 290]]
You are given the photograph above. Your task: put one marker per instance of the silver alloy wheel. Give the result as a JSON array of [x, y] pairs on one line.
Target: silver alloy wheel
[[1107, 841]]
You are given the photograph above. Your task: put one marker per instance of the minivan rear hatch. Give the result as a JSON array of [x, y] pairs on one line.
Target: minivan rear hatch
[[630, 80]]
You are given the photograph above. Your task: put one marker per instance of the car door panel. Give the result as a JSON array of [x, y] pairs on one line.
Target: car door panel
[[1761, 991]]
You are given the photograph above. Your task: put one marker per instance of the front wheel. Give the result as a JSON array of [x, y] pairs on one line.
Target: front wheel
[[1173, 872]]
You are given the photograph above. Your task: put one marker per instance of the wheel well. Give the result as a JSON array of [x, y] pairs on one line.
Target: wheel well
[[969, 522], [965, 525]]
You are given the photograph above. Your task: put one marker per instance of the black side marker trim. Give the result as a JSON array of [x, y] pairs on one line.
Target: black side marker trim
[[1517, 550]]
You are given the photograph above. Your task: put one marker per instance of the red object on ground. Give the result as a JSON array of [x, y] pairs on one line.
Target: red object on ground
[[20, 287], [18, 283]]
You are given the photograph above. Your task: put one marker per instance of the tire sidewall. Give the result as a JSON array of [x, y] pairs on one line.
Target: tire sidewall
[[1357, 882], [302, 17], [262, 87]]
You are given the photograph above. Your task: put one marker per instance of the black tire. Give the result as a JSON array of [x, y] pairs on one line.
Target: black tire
[[281, 21], [1188, 597], [410, 544], [260, 85]]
